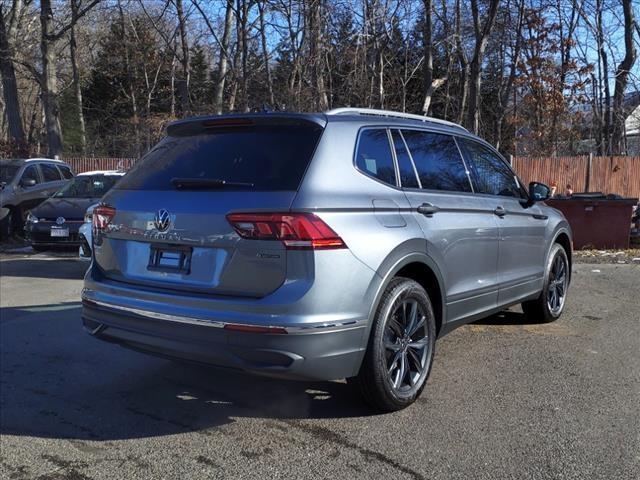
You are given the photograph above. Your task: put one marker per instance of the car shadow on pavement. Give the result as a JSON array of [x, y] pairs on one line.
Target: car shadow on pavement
[[508, 317], [66, 268], [58, 382]]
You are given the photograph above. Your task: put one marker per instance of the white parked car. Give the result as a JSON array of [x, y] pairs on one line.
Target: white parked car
[[84, 232]]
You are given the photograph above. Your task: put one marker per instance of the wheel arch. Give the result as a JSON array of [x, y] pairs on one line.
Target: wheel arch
[[10, 208], [563, 238], [421, 268]]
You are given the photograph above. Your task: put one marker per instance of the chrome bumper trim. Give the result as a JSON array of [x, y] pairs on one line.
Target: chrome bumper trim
[[297, 329]]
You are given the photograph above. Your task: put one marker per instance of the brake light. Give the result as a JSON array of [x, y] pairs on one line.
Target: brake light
[[102, 216], [227, 122], [298, 231]]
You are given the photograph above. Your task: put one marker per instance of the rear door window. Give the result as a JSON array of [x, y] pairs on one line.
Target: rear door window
[[490, 174], [268, 157], [373, 155], [65, 171], [50, 172], [437, 160]]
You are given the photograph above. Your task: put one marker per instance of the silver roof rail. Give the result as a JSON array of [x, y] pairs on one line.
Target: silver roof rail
[[390, 113]]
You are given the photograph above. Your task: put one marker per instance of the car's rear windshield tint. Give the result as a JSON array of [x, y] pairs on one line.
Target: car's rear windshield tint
[[267, 157]]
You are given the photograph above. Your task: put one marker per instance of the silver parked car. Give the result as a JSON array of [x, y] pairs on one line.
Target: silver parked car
[[320, 246], [24, 184]]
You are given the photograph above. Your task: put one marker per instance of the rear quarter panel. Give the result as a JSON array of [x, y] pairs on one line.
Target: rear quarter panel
[[371, 217]]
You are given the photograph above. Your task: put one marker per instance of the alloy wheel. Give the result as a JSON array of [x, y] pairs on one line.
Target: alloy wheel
[[406, 345], [557, 287]]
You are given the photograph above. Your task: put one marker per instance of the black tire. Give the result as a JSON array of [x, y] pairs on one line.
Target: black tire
[[539, 310], [376, 383], [7, 226]]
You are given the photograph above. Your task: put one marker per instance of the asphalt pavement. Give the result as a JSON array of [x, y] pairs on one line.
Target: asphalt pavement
[[507, 398]]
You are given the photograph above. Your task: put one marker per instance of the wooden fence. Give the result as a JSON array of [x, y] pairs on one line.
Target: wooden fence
[[88, 164], [620, 175]]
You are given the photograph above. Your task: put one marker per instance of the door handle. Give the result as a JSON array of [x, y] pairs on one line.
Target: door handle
[[500, 211], [428, 209]]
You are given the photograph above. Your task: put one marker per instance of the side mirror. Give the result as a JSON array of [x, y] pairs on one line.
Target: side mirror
[[27, 182], [538, 192]]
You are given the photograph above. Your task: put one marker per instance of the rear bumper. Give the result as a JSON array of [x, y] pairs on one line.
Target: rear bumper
[[312, 352]]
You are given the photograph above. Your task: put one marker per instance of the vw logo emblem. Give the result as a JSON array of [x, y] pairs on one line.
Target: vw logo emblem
[[162, 220], [60, 220]]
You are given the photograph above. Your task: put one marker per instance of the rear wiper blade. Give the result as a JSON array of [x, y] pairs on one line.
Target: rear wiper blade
[[205, 183]]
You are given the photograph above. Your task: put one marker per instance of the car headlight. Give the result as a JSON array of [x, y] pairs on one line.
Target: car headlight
[[31, 218]]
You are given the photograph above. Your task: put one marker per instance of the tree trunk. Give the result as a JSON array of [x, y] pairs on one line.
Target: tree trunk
[[132, 89], [602, 54], [482, 36], [505, 89], [315, 36], [172, 104], [50, 81], [10, 86], [622, 77], [243, 49], [73, 49], [265, 54], [185, 60], [428, 57], [223, 62], [464, 65]]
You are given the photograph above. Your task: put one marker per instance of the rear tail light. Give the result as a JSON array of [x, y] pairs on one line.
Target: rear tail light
[[298, 231], [102, 216]]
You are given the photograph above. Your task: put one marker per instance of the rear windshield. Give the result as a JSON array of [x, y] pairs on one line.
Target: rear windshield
[[88, 186], [267, 157]]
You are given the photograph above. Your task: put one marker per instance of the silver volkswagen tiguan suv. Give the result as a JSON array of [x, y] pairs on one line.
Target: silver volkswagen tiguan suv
[[320, 246]]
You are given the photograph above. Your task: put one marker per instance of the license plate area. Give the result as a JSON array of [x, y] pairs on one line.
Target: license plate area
[[59, 232], [170, 258]]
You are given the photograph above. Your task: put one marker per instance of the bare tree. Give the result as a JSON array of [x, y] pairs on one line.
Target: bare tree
[[184, 60], [464, 64], [430, 85], [622, 77], [48, 39], [224, 44], [506, 84], [73, 51], [481, 32], [602, 56], [130, 92], [265, 52], [9, 82], [316, 49]]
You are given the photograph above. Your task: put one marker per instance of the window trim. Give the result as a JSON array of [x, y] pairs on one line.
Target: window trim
[[505, 164], [391, 150], [421, 189], [395, 156], [467, 170]]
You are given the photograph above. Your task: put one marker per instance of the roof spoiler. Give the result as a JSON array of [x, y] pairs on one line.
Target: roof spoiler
[[196, 125]]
